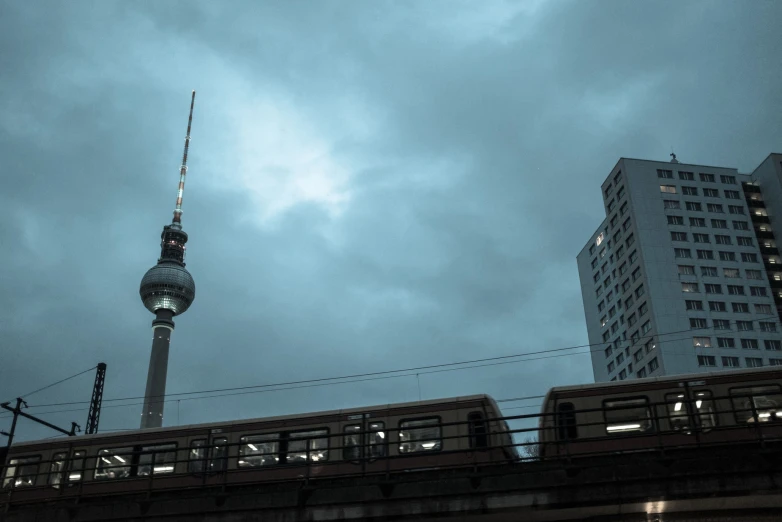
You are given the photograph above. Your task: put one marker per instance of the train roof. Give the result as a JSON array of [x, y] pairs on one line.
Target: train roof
[[620, 386], [240, 422]]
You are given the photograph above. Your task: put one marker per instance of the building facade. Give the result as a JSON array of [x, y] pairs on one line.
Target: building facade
[[684, 274]]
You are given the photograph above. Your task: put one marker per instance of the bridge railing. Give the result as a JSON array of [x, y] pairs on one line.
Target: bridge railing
[[466, 444]]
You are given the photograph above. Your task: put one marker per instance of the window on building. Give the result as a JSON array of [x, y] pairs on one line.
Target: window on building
[[675, 220], [697, 222], [753, 274], [701, 342], [749, 258], [671, 204], [715, 207], [717, 306], [719, 223], [623, 209], [735, 290], [631, 319], [727, 256], [721, 324], [763, 309], [620, 359], [639, 291], [740, 225], [606, 336], [731, 273], [693, 206], [767, 326], [642, 372], [633, 257], [686, 270], [749, 344], [693, 305], [636, 274], [701, 238], [706, 360], [689, 287], [664, 174], [730, 180], [706, 178], [622, 375], [758, 291], [709, 271], [713, 289], [726, 342], [653, 364], [682, 253], [732, 194], [754, 362], [668, 189], [643, 309], [775, 362], [646, 327], [740, 308], [722, 240], [711, 193], [735, 209], [687, 176], [626, 225], [705, 254], [744, 241], [697, 323], [744, 326], [634, 338], [690, 191], [620, 193], [773, 344], [630, 240], [731, 362]]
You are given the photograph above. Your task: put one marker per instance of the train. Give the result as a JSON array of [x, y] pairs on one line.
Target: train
[[575, 421]]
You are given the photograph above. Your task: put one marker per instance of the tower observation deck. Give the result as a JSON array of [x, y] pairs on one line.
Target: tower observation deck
[[167, 290]]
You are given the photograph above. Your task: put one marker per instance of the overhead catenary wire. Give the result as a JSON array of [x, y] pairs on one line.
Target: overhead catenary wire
[[56, 383], [437, 368]]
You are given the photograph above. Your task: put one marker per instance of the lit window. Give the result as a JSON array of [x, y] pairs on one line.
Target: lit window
[[701, 342], [627, 415], [756, 403], [420, 435], [312, 445], [157, 459], [21, 472], [114, 463], [259, 450], [669, 189]]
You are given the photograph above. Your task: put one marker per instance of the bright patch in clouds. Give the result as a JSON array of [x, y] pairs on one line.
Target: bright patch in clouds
[[284, 161]]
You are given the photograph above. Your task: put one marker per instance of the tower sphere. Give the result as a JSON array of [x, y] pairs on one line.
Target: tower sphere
[[167, 286]]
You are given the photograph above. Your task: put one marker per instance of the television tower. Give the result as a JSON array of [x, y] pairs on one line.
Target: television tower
[[167, 289]]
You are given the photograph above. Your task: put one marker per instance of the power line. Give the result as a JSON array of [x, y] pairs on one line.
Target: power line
[[58, 382], [436, 368]]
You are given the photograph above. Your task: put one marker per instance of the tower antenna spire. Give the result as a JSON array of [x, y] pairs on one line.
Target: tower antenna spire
[[183, 169]]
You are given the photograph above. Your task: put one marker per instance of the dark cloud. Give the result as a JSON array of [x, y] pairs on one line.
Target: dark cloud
[[372, 186]]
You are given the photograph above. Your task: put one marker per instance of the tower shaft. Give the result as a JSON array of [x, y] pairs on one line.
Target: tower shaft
[[155, 394]]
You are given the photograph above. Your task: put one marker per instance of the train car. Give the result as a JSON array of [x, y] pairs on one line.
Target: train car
[[463, 431], [664, 412]]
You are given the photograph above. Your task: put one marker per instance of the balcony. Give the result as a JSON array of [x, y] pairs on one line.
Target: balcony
[[764, 235], [750, 188], [756, 203], [769, 251], [759, 219], [774, 283]]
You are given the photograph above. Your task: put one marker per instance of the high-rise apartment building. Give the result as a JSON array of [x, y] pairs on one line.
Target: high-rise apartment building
[[684, 274]]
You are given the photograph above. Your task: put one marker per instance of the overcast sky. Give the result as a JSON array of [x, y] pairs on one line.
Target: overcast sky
[[373, 185]]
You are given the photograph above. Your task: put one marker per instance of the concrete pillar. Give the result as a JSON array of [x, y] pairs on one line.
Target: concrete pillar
[[154, 397]]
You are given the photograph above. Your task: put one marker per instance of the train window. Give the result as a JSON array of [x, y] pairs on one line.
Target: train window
[[114, 463], [219, 454], [757, 403], [21, 472], [701, 407], [160, 458], [198, 458], [259, 450], [308, 445], [477, 426], [627, 415], [374, 441], [567, 429], [57, 467], [420, 435]]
